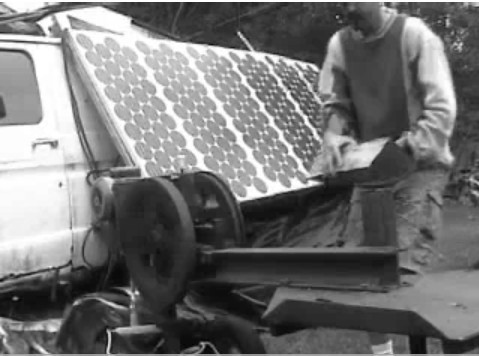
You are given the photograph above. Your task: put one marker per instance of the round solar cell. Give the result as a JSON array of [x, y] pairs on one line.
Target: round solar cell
[[207, 136], [211, 80], [168, 121], [139, 70], [192, 52], [227, 171], [178, 139], [201, 145], [264, 148], [259, 156], [129, 54], [270, 173], [121, 60], [113, 94], [200, 88], [198, 120], [176, 86], [281, 147], [254, 133], [228, 134], [159, 56], [141, 121], [189, 158], [274, 164], [150, 113], [148, 87], [131, 103], [225, 62], [219, 119], [152, 62], [174, 65], [277, 154], [171, 149], [218, 153], [160, 130], [162, 79], [211, 163], [112, 44], [143, 47], [152, 140], [153, 169], [158, 103], [181, 58], [230, 109], [238, 188], [244, 178], [103, 76], [238, 151], [288, 170], [192, 94], [130, 77], [164, 48], [133, 131], [234, 160], [103, 51], [223, 143], [240, 126], [290, 161], [220, 95], [162, 158], [249, 168], [203, 110], [94, 58], [260, 185], [213, 127], [301, 177], [122, 112], [121, 85], [192, 77], [171, 95], [143, 150], [209, 104], [84, 41], [140, 95], [191, 128]]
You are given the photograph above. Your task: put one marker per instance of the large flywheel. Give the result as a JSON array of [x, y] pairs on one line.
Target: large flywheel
[[158, 240], [217, 215]]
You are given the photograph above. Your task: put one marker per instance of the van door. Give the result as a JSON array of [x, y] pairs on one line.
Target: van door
[[35, 227]]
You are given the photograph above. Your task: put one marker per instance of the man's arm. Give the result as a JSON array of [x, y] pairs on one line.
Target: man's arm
[[334, 92], [429, 138]]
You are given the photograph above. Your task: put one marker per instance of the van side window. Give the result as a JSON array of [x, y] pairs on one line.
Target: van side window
[[19, 95]]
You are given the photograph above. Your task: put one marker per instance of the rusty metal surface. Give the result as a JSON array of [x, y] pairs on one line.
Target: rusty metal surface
[[442, 305], [363, 268]]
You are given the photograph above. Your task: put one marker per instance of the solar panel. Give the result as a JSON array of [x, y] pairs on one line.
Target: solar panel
[[250, 117]]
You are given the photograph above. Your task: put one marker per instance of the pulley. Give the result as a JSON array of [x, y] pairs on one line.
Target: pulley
[[158, 239], [216, 213]]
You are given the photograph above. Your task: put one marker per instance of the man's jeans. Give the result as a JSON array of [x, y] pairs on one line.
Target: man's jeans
[[418, 203]]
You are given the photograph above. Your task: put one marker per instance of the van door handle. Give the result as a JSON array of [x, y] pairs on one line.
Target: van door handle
[[53, 142]]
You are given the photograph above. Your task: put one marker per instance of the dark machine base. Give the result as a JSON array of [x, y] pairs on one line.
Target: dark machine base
[[441, 305]]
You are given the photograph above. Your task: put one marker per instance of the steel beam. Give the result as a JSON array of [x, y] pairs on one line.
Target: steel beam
[[363, 268]]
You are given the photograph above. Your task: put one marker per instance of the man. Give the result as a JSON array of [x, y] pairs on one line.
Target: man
[[386, 75]]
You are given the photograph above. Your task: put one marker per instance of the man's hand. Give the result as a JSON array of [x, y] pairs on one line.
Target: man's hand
[[334, 146]]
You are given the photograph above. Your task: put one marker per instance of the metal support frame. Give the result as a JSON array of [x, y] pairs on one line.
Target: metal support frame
[[360, 268], [332, 287]]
